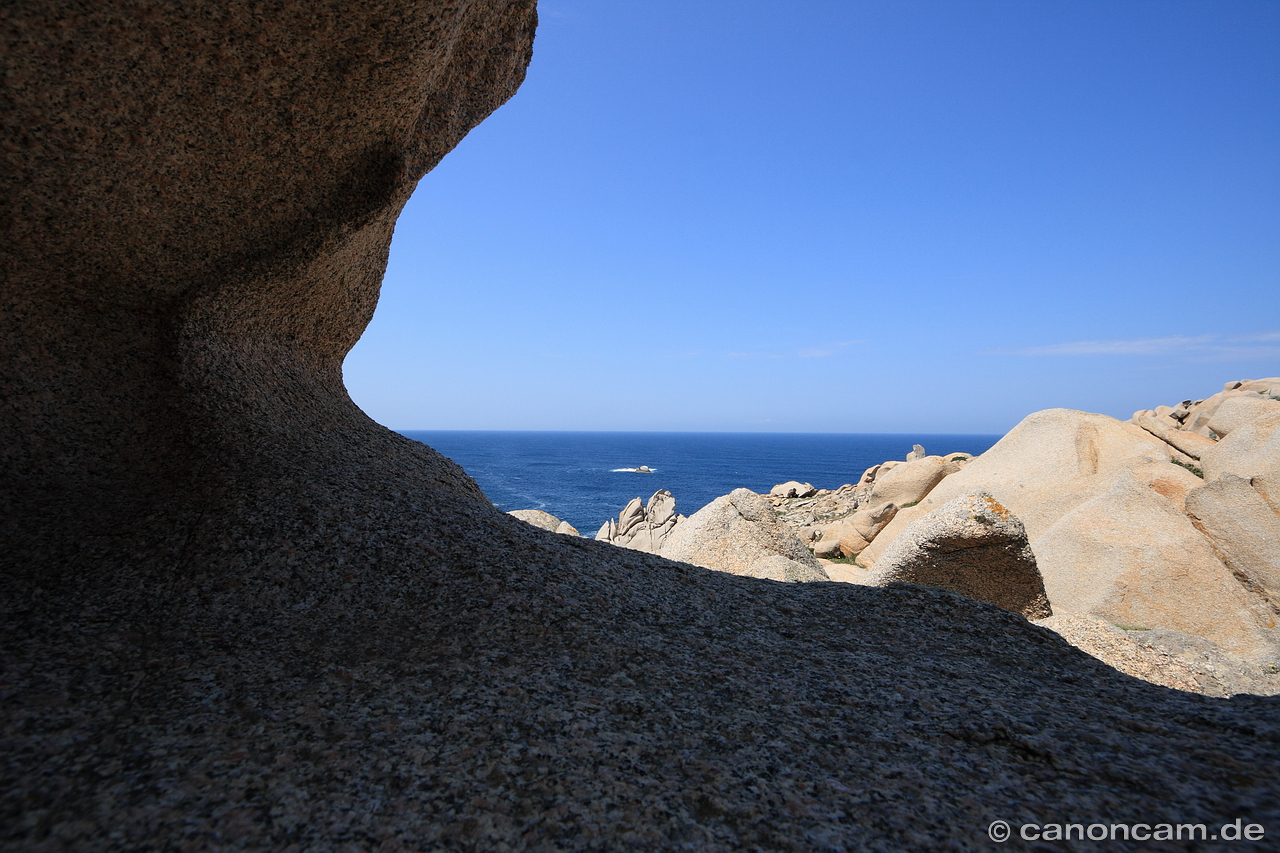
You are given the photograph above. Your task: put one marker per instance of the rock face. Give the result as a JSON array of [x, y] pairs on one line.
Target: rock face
[[1243, 530], [1105, 515], [1252, 450], [792, 489], [643, 527], [237, 613], [198, 209], [544, 520], [1238, 411], [1196, 416], [973, 546], [733, 532]]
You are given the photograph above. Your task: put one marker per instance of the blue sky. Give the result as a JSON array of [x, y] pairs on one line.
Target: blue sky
[[845, 217]]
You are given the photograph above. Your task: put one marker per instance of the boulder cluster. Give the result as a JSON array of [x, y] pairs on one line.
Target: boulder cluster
[[1166, 528]]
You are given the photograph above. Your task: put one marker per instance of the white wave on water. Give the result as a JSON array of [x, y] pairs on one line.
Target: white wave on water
[[634, 470]]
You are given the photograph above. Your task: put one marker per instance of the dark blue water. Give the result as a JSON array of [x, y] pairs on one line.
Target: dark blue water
[[574, 476]]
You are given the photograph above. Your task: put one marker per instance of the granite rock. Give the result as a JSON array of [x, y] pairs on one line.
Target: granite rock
[[972, 546], [544, 520], [643, 526], [237, 614], [732, 532]]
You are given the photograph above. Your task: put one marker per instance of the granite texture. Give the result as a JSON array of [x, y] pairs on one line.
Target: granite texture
[[971, 545], [238, 615]]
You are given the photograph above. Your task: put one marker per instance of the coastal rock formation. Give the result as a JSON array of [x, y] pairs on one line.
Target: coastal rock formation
[[236, 613], [1107, 518], [643, 527], [732, 533], [841, 523], [973, 546], [545, 521], [1195, 416], [1238, 411], [1243, 530], [1252, 450], [793, 489]]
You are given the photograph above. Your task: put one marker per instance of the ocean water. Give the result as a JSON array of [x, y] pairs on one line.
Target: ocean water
[[580, 477]]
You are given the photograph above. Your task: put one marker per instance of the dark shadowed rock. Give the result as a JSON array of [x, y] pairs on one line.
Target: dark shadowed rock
[[237, 613], [971, 545]]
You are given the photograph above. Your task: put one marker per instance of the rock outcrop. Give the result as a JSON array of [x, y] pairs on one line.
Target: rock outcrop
[[733, 533], [1196, 416], [544, 521], [238, 613], [1115, 528], [971, 545], [793, 489], [643, 527], [841, 523], [1252, 450], [1243, 530], [786, 570]]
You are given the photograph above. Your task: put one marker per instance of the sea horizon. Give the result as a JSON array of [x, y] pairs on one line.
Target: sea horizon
[[582, 476]]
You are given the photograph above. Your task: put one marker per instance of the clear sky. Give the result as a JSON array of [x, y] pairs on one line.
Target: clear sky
[[847, 216]]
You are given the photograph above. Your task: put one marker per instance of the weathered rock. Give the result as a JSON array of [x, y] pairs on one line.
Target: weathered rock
[[1160, 656], [632, 515], [972, 546], [909, 483], [225, 588], [917, 452], [884, 538], [1252, 451], [731, 533], [1238, 411], [778, 568], [1190, 443], [870, 521], [1201, 412], [844, 537], [1217, 672], [1049, 463], [807, 516], [1244, 532], [1117, 648], [1082, 485], [643, 527], [792, 489], [828, 549], [1129, 556], [544, 520]]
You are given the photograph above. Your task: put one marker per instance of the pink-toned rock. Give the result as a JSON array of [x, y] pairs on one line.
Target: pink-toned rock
[[1238, 411], [1253, 451], [1244, 531], [1190, 443], [1131, 557], [843, 537]]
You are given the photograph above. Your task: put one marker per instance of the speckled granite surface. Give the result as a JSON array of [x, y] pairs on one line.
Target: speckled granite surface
[[237, 615]]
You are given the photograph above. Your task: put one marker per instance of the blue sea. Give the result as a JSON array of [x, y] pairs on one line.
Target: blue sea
[[579, 477]]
